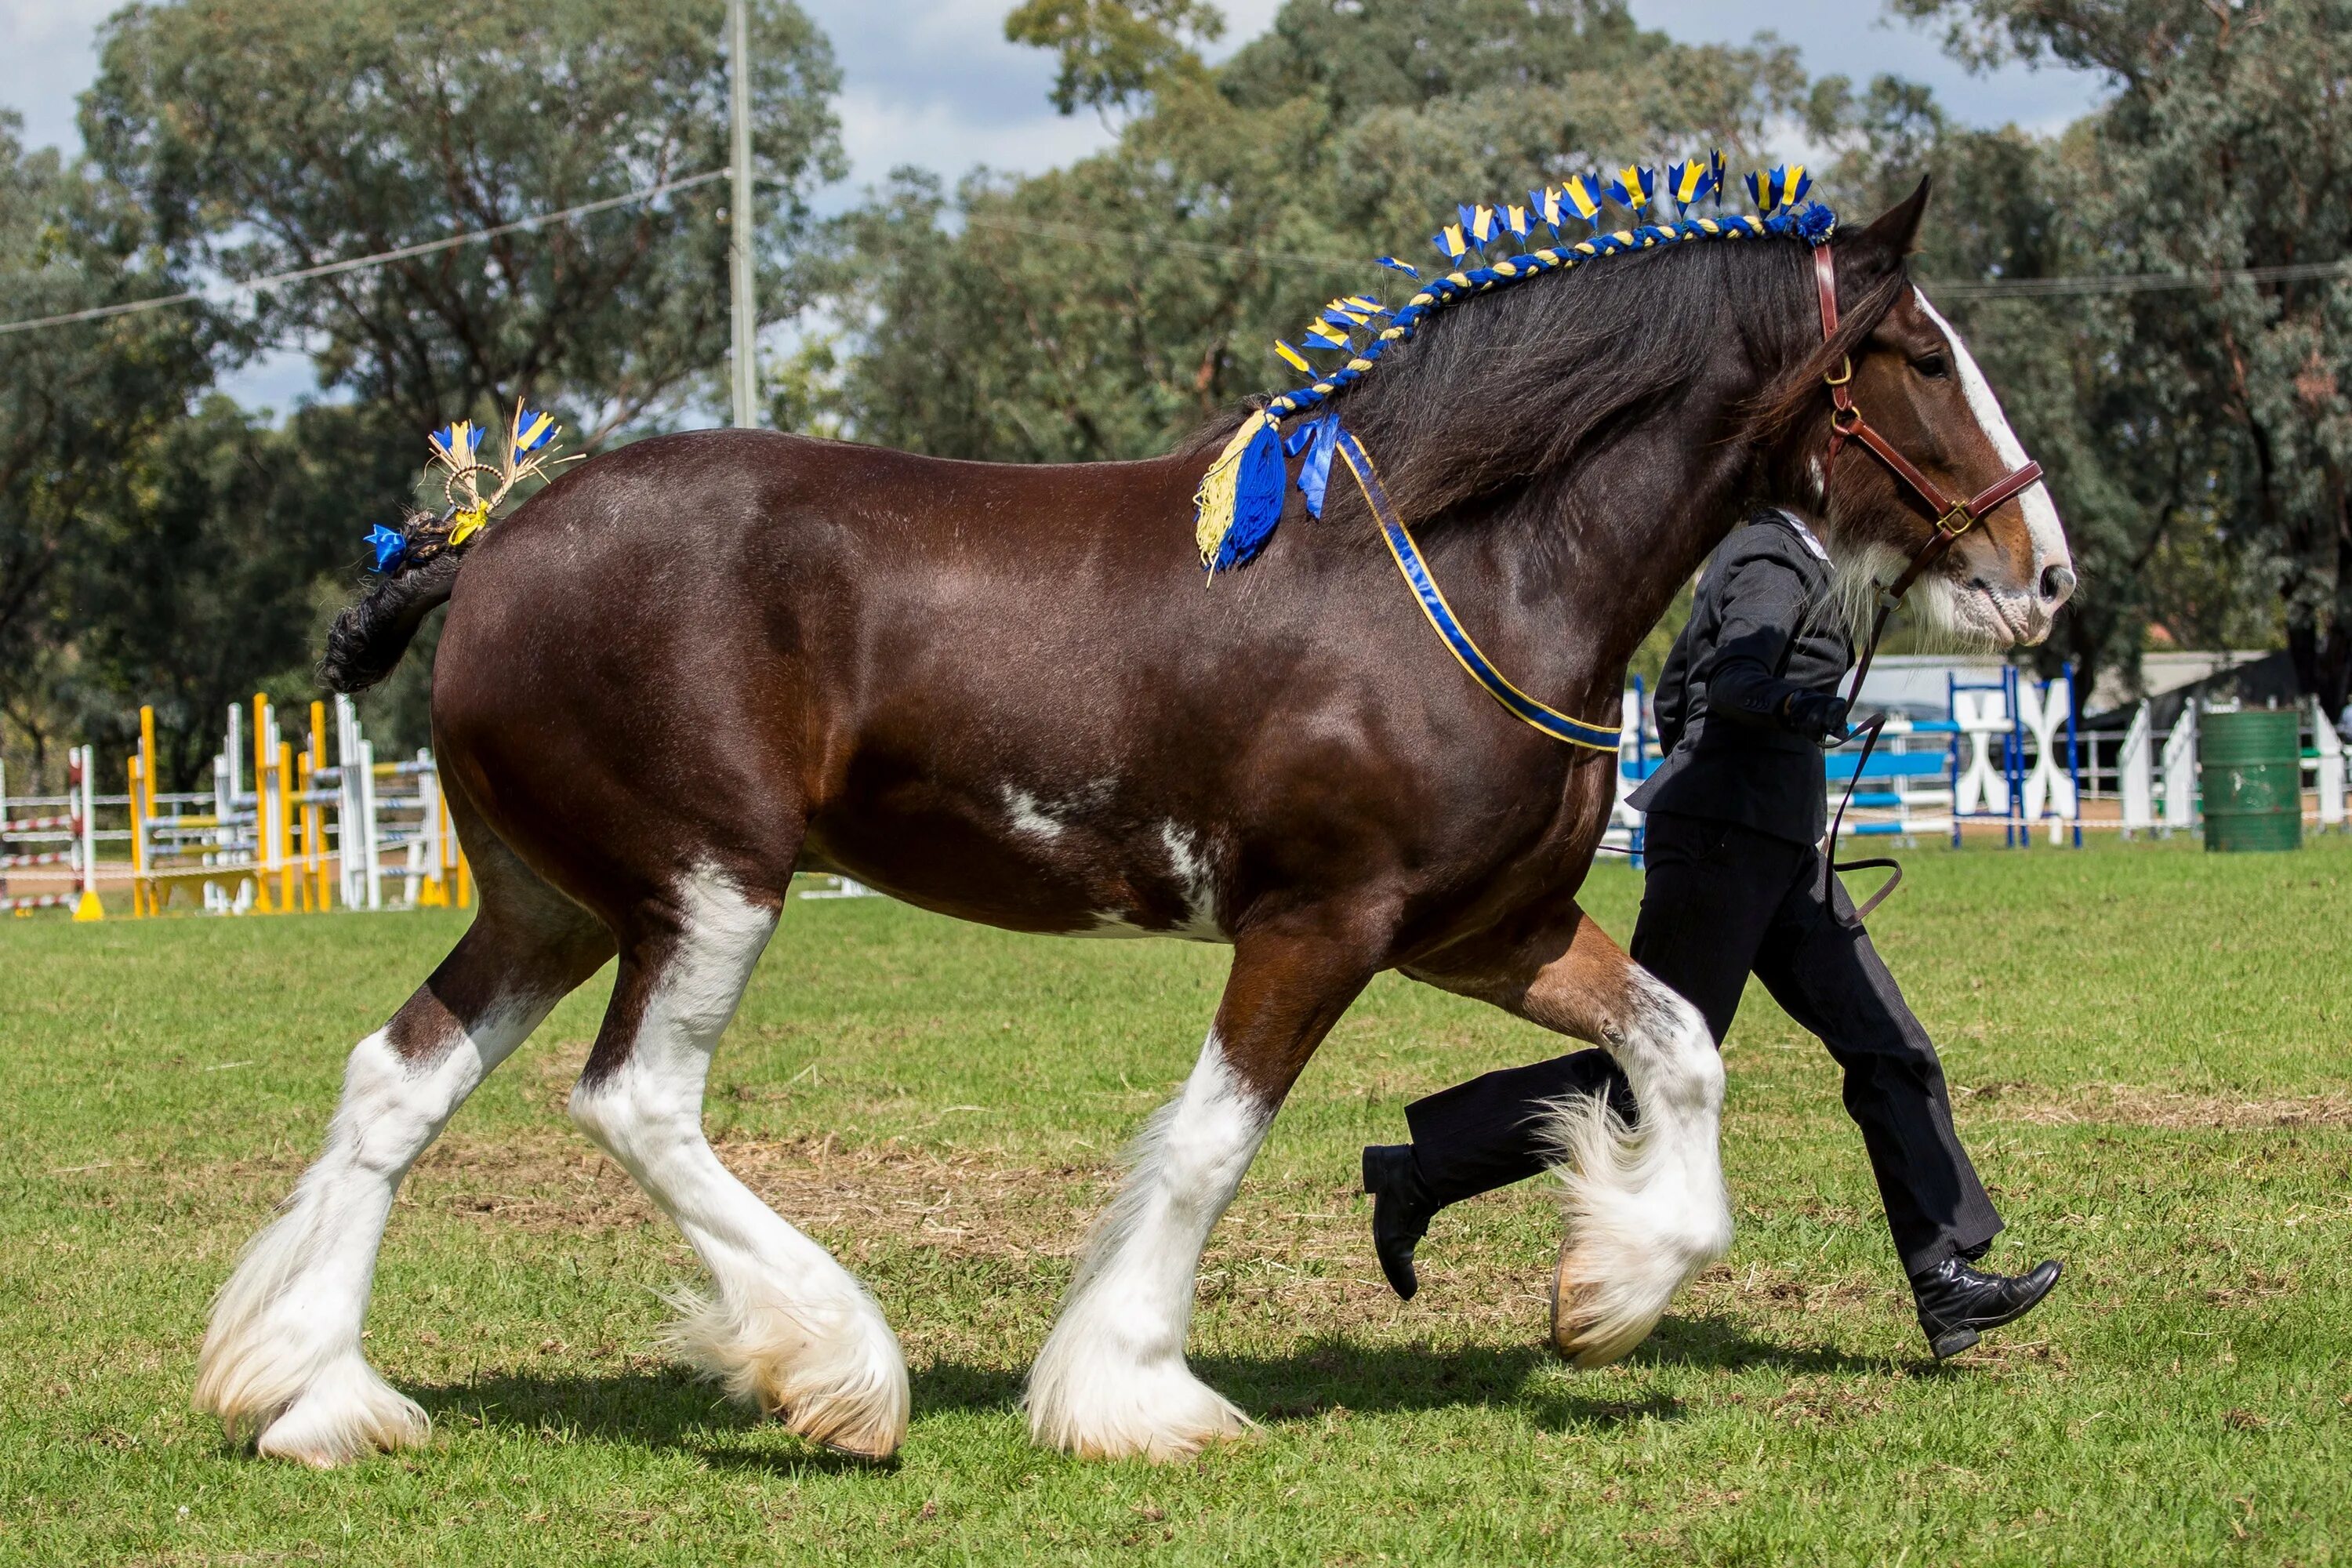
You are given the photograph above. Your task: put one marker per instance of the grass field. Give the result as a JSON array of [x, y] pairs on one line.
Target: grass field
[[2150, 1052]]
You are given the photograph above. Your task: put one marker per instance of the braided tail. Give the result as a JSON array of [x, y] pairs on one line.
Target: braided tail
[[368, 639]]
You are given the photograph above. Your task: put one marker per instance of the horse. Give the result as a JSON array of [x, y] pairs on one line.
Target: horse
[[695, 665]]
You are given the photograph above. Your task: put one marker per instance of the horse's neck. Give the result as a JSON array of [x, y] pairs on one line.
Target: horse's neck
[[1562, 604]]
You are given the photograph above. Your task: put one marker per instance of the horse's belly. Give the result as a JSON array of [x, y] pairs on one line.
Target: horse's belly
[[1073, 865]]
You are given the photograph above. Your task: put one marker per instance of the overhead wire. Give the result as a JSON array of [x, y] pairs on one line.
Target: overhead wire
[[2074, 285], [360, 263]]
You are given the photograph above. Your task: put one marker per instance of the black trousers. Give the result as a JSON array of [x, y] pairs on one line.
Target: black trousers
[[1721, 900]]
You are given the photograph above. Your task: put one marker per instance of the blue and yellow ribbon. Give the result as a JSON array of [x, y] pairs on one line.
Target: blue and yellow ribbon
[[1527, 710]]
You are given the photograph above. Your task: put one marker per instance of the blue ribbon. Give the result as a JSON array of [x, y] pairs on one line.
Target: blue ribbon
[[1522, 706]]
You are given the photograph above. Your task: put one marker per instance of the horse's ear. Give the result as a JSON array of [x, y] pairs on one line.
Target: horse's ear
[[1893, 231]]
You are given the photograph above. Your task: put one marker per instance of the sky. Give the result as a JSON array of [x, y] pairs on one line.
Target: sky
[[933, 83]]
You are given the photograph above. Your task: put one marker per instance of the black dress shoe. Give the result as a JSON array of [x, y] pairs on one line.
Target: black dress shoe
[[1402, 1210], [1956, 1302]]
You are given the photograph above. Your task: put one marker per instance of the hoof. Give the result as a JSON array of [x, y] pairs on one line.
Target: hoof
[[832, 1374], [1161, 1414], [348, 1414], [1595, 1320]]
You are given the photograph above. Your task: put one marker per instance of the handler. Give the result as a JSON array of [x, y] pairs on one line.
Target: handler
[[1747, 702]]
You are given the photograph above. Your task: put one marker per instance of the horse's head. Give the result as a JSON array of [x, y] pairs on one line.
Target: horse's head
[[1918, 388]]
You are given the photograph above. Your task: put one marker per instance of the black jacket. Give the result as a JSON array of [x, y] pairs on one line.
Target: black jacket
[[1760, 631]]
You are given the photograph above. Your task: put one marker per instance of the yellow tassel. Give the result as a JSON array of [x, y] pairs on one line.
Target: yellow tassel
[[468, 524], [1213, 503]]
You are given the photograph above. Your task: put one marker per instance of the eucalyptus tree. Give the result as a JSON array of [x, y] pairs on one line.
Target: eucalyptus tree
[[2227, 147], [273, 135], [1102, 310]]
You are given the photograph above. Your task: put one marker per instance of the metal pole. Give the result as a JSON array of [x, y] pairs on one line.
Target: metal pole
[[746, 306]]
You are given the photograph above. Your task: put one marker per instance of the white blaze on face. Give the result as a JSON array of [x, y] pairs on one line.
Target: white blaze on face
[[2041, 512]]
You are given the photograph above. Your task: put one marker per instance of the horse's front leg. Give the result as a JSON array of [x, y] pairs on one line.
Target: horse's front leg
[[1645, 1206], [1111, 1381]]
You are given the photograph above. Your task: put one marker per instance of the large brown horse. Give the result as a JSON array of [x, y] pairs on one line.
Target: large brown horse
[[690, 667]]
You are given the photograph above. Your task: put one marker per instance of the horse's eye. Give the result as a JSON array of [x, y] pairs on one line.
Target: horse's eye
[[1934, 367]]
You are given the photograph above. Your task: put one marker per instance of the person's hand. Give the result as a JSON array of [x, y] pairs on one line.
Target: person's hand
[[1819, 716]]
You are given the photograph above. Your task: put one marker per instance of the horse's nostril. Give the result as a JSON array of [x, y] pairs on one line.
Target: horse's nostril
[[2057, 583]]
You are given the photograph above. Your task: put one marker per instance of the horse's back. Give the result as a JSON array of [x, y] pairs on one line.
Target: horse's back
[[714, 636]]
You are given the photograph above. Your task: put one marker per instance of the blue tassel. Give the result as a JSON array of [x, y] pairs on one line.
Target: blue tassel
[[1257, 500], [1315, 474], [391, 547]]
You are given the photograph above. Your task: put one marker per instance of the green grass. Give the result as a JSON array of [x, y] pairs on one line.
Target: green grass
[[2151, 1047]]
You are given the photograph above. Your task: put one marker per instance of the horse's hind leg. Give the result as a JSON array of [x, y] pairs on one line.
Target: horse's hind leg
[[789, 1331], [1645, 1206], [281, 1358]]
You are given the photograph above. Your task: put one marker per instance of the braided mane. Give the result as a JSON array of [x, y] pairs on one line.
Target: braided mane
[[1241, 497]]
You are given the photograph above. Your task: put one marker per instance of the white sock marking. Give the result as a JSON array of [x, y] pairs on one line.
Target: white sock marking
[[1645, 1209], [790, 1331], [281, 1358], [1111, 1381]]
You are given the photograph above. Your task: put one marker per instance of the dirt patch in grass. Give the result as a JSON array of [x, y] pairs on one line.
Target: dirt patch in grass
[[2127, 1105], [552, 1179]]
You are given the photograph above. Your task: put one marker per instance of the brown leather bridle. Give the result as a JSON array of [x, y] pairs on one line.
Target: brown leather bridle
[[1953, 519]]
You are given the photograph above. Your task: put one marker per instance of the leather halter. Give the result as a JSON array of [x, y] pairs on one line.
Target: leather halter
[[1953, 519]]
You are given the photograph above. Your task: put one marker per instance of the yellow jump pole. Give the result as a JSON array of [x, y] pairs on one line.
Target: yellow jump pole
[[143, 804], [147, 759], [284, 827], [465, 882], [315, 819], [261, 904], [310, 835]]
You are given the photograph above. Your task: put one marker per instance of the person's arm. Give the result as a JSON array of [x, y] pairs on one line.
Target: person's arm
[[1671, 706], [1764, 599]]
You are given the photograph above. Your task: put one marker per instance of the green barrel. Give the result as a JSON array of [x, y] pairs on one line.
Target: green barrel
[[2250, 770]]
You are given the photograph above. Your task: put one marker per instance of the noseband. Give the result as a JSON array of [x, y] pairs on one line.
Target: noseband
[[1953, 519]]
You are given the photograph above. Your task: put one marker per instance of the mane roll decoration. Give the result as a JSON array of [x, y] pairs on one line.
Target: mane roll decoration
[[1240, 498]]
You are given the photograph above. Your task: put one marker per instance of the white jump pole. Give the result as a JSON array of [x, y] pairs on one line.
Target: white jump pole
[[2330, 746], [2136, 771], [2180, 773]]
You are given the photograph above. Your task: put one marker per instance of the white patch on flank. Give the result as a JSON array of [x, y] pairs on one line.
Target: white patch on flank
[[1111, 1381], [281, 1360], [790, 1331], [1188, 858], [1645, 1207], [2041, 523], [1025, 816]]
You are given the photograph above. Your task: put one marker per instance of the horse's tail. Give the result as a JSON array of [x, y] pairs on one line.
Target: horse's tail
[[368, 639]]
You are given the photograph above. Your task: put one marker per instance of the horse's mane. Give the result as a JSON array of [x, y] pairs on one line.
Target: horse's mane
[[1505, 385]]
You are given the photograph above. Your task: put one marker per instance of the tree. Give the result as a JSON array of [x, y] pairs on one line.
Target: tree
[[1103, 310], [193, 587], [1114, 51], [2228, 147], [278, 135], [73, 400]]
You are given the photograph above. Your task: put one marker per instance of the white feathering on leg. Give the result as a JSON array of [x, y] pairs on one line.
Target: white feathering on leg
[[789, 1331], [1111, 1382], [281, 1364], [1645, 1207]]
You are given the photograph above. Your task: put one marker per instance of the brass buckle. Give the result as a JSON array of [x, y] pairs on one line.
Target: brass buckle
[[1846, 421], [1967, 520], [1844, 372]]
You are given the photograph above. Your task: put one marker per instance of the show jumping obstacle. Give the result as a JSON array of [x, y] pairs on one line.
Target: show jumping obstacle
[[305, 836], [683, 672], [77, 830]]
